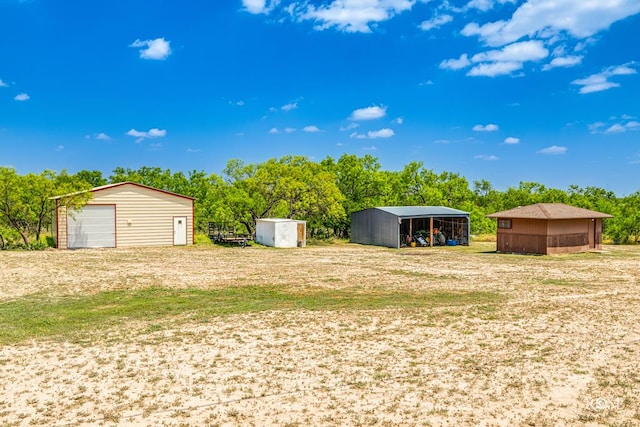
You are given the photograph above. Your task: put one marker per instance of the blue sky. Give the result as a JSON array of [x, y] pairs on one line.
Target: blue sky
[[503, 90]]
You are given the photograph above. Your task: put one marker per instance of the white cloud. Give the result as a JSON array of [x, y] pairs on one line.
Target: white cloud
[[382, 133], [616, 128], [290, 106], [150, 134], [3, 84], [511, 140], [289, 130], [624, 123], [494, 69], [499, 61], [593, 127], [486, 128], [22, 97], [399, 121], [600, 81], [352, 16], [158, 49], [255, 6], [435, 22], [369, 113], [456, 64], [554, 149], [356, 135], [532, 50], [620, 128], [274, 131], [311, 129], [103, 136], [370, 148], [550, 18], [563, 61], [489, 157], [508, 59], [156, 133], [350, 126], [485, 5], [60, 148]]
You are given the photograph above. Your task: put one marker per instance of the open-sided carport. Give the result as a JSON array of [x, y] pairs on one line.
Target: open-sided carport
[[390, 226]]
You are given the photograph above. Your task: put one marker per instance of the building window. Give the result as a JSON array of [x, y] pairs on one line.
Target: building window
[[504, 223]]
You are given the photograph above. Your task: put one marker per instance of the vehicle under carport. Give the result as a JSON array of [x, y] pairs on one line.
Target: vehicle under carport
[[398, 226]]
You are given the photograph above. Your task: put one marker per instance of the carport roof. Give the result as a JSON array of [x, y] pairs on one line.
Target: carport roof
[[423, 211]]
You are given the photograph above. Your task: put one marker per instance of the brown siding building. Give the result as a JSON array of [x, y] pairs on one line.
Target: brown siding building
[[549, 228]]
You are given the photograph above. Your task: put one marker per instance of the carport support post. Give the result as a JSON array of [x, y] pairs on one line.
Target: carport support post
[[411, 228], [431, 231]]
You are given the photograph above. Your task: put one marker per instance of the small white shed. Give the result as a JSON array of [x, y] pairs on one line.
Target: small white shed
[[281, 233]]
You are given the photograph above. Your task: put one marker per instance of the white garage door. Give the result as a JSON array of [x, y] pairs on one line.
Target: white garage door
[[92, 227]]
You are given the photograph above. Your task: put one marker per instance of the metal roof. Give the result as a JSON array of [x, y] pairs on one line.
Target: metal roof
[[118, 184], [549, 211], [422, 211]]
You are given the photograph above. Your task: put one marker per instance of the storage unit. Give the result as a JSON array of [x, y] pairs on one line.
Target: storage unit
[[281, 233], [126, 214], [548, 228], [398, 226]]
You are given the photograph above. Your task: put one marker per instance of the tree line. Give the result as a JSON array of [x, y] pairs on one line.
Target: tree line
[[323, 193]]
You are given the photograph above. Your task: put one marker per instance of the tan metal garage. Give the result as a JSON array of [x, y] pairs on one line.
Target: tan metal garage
[[126, 214]]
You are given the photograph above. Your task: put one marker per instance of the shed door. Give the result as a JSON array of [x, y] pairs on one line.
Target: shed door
[[92, 227], [301, 234], [179, 230]]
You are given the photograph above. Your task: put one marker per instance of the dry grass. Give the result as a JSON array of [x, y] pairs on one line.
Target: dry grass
[[560, 347]]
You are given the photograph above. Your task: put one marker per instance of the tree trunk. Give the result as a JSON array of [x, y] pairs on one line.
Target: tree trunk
[[25, 239]]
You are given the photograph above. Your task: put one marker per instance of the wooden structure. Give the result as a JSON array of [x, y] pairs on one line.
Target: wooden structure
[[126, 214], [549, 228], [398, 226], [281, 232]]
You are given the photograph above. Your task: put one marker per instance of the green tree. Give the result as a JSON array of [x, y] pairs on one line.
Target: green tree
[[362, 184], [94, 178], [625, 226], [26, 204], [291, 187]]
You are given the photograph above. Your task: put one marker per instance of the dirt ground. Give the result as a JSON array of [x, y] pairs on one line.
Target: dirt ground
[[561, 348]]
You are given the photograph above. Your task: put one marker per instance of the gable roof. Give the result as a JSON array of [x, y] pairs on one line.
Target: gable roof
[[549, 211], [421, 211], [118, 184]]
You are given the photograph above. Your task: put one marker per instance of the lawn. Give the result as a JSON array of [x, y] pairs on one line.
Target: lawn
[[339, 334]]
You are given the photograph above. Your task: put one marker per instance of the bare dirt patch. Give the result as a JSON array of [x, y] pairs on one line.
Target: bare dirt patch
[[561, 348]]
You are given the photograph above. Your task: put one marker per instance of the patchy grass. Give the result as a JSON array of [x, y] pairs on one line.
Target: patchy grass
[[40, 316], [333, 335]]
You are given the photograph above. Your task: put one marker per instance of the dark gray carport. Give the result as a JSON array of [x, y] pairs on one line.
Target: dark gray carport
[[389, 226]]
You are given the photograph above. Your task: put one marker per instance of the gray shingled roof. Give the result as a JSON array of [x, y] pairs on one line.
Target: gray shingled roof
[[422, 211], [549, 211]]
